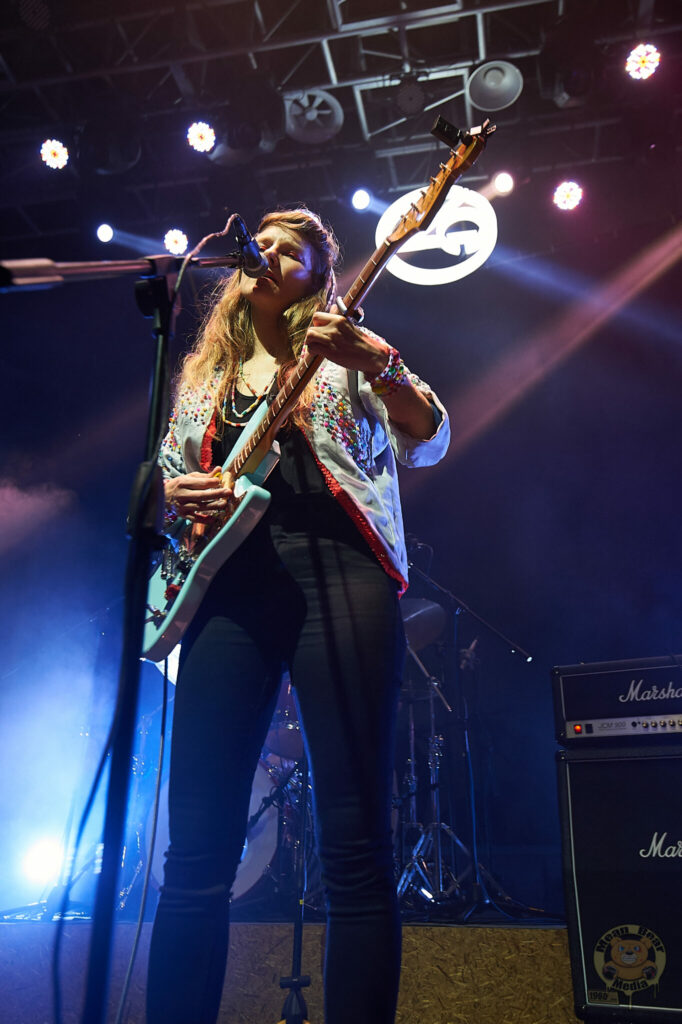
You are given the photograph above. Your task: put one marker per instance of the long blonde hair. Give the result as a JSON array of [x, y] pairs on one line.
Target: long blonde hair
[[226, 333]]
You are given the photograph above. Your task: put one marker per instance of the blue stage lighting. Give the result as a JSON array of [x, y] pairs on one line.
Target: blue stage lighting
[[105, 232], [43, 861]]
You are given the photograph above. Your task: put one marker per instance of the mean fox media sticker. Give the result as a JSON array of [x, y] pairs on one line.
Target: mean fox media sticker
[[629, 959]]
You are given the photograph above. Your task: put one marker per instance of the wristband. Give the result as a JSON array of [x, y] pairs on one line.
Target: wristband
[[392, 377]]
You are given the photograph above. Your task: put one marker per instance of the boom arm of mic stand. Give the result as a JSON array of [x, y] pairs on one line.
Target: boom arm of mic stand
[[38, 274], [462, 607]]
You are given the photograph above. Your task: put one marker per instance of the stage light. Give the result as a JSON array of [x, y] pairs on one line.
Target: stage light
[[175, 241], [43, 861], [567, 195], [105, 232], [201, 137], [503, 183], [642, 61], [54, 153], [361, 199], [494, 85]]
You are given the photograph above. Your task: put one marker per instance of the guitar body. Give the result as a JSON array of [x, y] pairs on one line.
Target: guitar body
[[193, 553], [188, 564]]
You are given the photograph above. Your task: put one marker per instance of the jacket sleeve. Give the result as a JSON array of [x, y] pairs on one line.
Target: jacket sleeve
[[409, 451], [170, 455]]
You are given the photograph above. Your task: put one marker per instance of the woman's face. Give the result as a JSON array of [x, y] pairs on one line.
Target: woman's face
[[290, 276]]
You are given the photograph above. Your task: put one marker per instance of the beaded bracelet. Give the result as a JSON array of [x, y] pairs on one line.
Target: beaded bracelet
[[393, 375], [170, 514]]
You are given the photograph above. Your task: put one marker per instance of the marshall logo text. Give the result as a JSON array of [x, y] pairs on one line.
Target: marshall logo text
[[653, 692], [659, 848]]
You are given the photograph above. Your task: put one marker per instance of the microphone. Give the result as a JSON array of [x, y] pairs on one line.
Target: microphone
[[253, 263]]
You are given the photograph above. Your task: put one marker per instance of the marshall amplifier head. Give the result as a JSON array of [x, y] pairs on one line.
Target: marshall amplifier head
[[618, 701]]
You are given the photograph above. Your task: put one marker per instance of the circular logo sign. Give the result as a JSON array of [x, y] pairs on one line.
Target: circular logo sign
[[629, 958], [464, 229]]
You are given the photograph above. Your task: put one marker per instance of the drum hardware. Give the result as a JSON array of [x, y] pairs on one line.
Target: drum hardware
[[428, 874], [423, 620], [265, 871], [284, 736], [277, 795]]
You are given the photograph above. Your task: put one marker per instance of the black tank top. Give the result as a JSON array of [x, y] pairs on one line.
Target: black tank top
[[301, 501]]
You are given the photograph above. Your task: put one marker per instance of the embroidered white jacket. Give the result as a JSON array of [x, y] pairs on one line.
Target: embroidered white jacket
[[352, 440]]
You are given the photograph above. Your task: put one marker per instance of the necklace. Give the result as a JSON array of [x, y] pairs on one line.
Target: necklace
[[240, 417]]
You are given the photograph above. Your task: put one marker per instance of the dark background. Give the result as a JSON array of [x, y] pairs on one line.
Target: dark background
[[557, 521]]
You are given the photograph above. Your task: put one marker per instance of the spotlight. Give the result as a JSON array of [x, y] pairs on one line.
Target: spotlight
[[54, 153], [495, 85], [201, 137], [642, 61], [105, 232], [361, 199], [503, 183], [567, 195], [43, 861], [175, 241]]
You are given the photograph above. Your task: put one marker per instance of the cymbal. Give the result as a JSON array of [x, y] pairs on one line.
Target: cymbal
[[423, 620]]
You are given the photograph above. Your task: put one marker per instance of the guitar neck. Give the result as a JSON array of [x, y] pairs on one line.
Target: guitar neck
[[258, 443], [417, 218], [368, 275]]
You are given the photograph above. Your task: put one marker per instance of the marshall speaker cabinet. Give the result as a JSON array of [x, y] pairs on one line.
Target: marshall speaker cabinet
[[620, 793]]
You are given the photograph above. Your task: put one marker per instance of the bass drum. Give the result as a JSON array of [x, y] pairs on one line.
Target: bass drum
[[260, 847]]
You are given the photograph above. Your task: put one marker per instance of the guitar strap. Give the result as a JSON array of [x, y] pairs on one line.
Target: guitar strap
[[353, 388]]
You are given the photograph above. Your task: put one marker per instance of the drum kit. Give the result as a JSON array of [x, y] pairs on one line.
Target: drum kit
[[280, 822], [278, 807]]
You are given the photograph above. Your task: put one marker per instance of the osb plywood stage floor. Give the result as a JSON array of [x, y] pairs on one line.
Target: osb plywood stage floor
[[451, 974]]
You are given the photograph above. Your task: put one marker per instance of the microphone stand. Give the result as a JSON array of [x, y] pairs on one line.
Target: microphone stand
[[155, 294], [295, 1010]]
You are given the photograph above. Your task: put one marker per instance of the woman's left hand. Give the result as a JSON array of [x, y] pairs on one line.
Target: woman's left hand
[[338, 339]]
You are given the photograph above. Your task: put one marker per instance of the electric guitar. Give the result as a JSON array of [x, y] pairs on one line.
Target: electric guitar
[[192, 553]]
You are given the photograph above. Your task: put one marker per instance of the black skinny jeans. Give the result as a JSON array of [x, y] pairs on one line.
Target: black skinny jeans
[[330, 612]]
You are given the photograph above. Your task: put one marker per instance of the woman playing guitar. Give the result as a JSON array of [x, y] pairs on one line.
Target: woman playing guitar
[[314, 588]]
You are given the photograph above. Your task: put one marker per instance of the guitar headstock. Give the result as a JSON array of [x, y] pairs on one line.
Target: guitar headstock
[[464, 149]]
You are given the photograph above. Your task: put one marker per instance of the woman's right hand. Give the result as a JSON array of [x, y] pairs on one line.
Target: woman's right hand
[[198, 496]]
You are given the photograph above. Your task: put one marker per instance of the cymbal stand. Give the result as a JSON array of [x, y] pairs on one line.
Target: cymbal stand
[[484, 891], [425, 873]]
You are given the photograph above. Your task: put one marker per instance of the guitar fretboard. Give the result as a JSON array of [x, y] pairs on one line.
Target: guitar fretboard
[[418, 217]]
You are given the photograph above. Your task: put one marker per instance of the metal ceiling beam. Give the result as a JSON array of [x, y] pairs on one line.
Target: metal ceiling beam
[[374, 47], [374, 27]]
